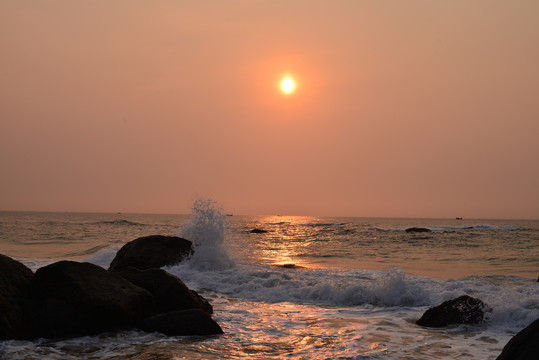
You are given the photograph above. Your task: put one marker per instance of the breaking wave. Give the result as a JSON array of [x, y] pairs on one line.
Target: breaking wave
[[517, 304], [207, 230]]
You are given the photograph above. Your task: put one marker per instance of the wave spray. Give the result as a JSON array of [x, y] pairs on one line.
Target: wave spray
[[207, 230]]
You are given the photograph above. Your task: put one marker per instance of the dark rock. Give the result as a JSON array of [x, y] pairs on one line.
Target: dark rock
[[202, 303], [418, 229], [462, 310], [152, 252], [524, 345], [258, 231], [290, 266], [15, 278], [169, 292], [74, 299], [185, 322]]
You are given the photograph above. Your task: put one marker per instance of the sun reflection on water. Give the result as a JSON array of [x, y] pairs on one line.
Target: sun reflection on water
[[299, 241], [288, 240], [301, 331]]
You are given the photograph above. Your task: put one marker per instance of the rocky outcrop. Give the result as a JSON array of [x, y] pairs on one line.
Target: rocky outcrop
[[524, 345], [462, 310], [73, 299], [186, 322], [417, 229], [169, 292], [152, 252], [14, 281], [68, 299]]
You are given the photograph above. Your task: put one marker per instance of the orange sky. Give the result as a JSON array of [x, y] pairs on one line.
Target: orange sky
[[403, 108]]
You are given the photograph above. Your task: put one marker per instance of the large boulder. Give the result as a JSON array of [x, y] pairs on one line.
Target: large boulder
[[524, 345], [185, 322], [15, 278], [462, 310], [153, 251], [74, 299], [169, 292]]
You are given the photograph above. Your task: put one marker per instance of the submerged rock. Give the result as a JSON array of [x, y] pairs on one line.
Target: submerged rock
[[462, 310], [153, 251], [15, 278], [185, 322], [417, 229], [258, 231], [74, 299], [290, 266], [524, 345], [169, 292]]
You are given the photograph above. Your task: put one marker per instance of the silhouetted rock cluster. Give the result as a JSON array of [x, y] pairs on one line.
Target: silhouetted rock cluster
[[68, 298]]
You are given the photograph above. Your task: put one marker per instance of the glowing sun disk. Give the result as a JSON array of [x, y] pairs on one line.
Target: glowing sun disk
[[288, 85]]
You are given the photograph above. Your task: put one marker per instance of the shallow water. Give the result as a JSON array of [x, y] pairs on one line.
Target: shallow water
[[355, 291]]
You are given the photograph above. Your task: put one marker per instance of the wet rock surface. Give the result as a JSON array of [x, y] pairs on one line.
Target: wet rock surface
[[524, 345], [185, 322], [462, 310], [169, 292], [153, 251], [69, 298], [15, 278]]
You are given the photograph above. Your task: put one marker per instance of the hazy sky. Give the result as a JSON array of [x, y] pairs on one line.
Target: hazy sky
[[403, 108]]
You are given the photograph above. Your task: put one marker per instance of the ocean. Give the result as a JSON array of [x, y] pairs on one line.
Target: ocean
[[307, 287]]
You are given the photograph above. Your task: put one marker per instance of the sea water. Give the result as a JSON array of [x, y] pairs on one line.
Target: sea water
[[307, 288]]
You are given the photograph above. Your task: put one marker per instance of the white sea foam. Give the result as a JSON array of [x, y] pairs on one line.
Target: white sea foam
[[324, 287], [34, 264], [515, 303], [104, 257]]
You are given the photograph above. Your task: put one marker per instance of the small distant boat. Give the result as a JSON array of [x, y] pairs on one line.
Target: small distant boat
[[458, 218]]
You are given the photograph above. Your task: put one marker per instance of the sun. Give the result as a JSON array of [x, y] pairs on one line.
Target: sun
[[288, 85]]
